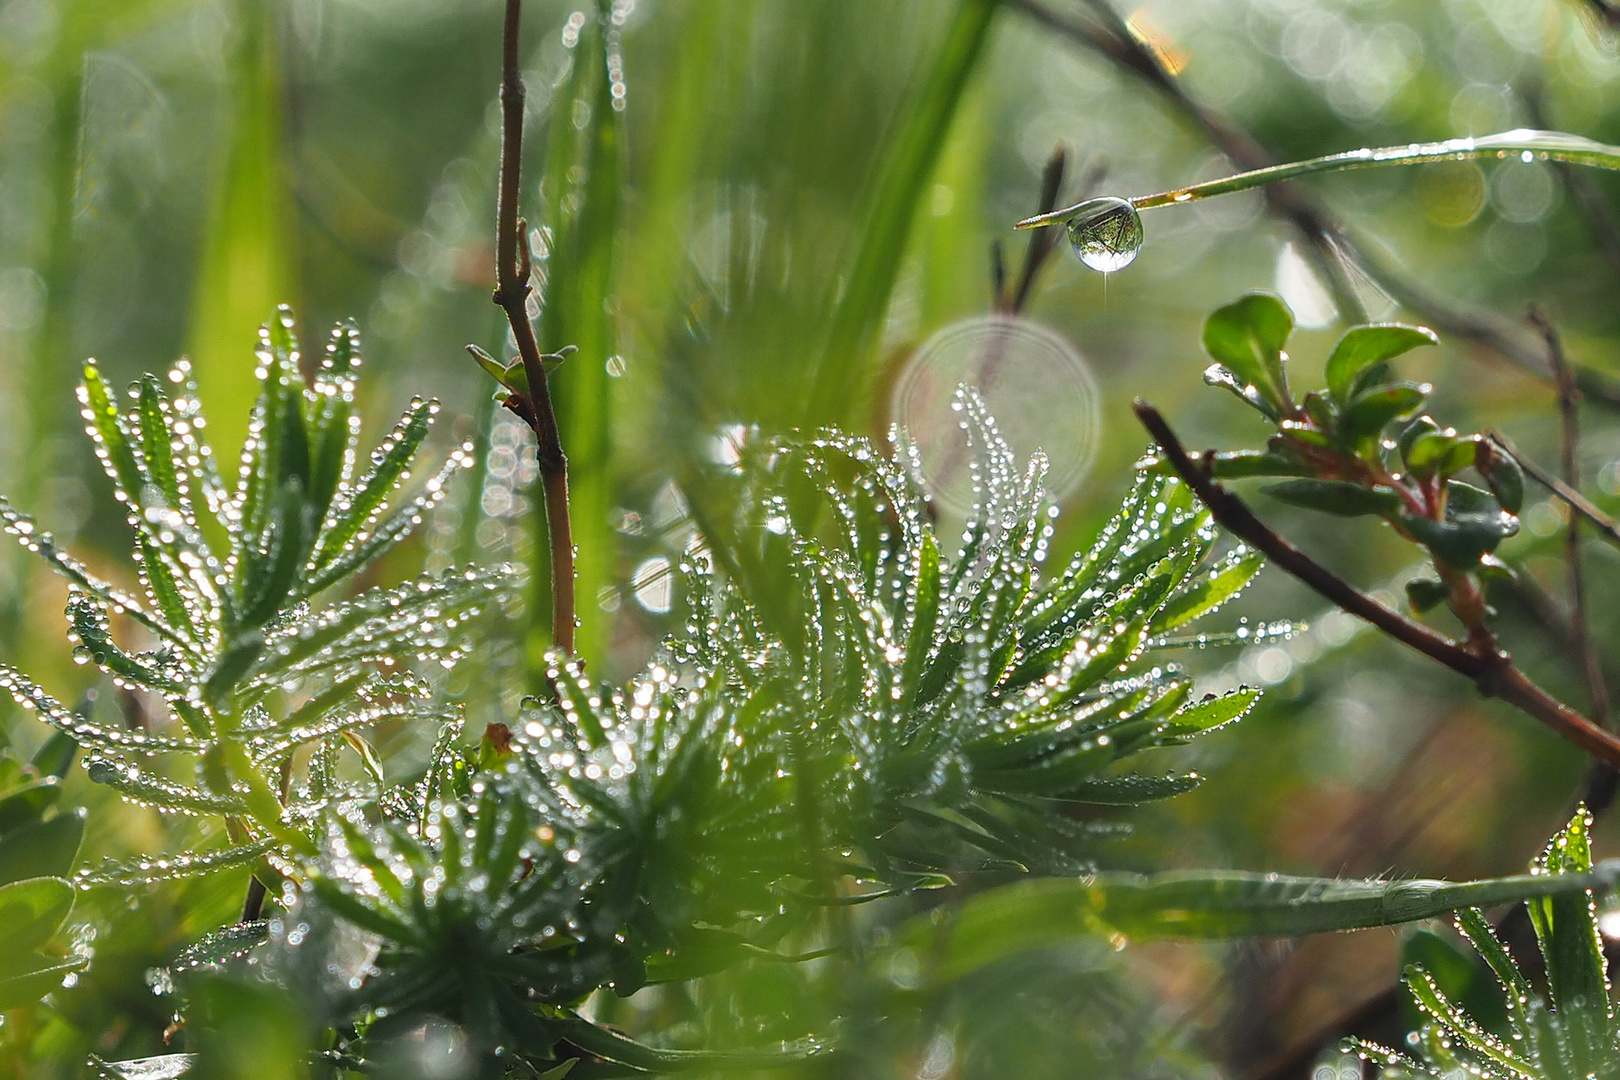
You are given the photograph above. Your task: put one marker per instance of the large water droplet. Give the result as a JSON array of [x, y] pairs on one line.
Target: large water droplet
[[1106, 233]]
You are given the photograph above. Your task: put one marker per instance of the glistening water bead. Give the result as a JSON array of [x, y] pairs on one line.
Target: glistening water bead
[[1106, 233]]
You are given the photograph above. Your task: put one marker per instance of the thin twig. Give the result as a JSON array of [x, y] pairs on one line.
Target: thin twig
[[511, 294], [1492, 672], [1326, 241], [1606, 526], [1568, 399]]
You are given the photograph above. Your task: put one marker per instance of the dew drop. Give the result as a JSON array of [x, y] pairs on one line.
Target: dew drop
[[1106, 233]]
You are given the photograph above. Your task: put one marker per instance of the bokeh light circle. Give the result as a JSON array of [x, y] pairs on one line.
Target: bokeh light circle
[[1034, 382]]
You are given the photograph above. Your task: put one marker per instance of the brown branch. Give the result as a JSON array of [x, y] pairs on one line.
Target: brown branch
[[1492, 672], [1326, 241], [512, 294]]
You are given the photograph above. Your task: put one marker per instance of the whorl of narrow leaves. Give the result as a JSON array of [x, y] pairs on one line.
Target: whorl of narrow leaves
[[228, 639], [1569, 1032], [846, 704]]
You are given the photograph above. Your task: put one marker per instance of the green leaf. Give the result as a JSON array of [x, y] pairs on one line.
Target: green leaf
[[295, 462], [1131, 789], [1204, 906], [1363, 346], [1370, 411], [1457, 974], [1566, 926], [26, 805], [1501, 473], [47, 848], [1338, 497], [1428, 996], [1440, 453], [160, 582], [113, 440], [266, 592], [1210, 592], [1473, 925], [1371, 378], [355, 510], [1240, 464], [924, 618], [157, 442], [23, 990], [1213, 712], [55, 755], [495, 369], [1475, 524], [1457, 545], [362, 912], [31, 911], [223, 944], [1425, 594], [1249, 394], [1247, 337]]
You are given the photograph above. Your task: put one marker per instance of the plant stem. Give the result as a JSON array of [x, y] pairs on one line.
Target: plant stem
[[1606, 526], [511, 294], [1568, 397], [1492, 670]]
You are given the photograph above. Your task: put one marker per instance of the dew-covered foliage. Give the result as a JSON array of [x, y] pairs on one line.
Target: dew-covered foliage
[[1333, 448], [848, 715], [239, 646], [1561, 1028]]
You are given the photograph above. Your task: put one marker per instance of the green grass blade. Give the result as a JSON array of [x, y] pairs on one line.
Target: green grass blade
[[1211, 906], [841, 373], [583, 177], [247, 265]]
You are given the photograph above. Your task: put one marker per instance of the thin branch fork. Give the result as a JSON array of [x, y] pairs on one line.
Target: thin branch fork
[[512, 294], [1491, 671]]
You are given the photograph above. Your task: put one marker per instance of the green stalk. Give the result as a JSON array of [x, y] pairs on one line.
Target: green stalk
[[839, 380], [1523, 142]]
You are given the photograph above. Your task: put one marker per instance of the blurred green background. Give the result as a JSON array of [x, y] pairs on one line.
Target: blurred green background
[[751, 215]]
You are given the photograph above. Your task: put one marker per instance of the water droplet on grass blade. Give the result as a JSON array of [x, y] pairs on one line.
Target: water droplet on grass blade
[[1106, 233]]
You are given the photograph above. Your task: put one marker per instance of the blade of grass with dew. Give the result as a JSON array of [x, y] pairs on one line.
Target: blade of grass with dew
[[841, 374]]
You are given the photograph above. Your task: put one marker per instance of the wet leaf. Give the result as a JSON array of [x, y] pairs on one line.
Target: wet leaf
[[1247, 337], [1361, 347]]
